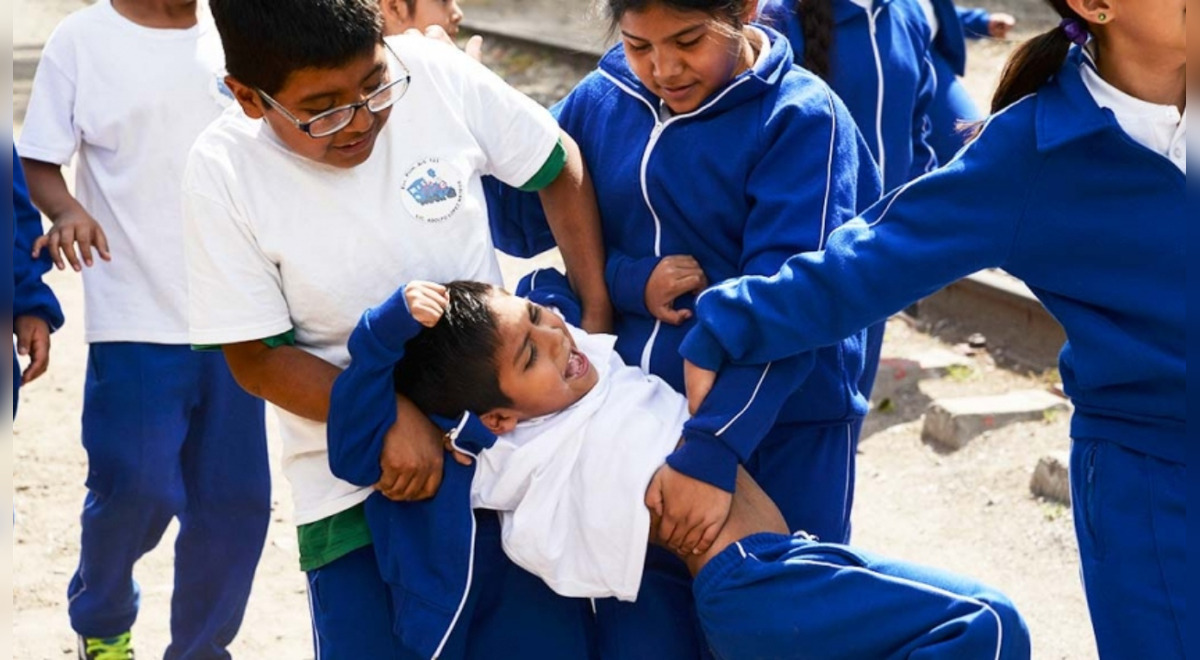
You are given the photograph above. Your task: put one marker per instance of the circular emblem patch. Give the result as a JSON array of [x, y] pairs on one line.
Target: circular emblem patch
[[433, 190]]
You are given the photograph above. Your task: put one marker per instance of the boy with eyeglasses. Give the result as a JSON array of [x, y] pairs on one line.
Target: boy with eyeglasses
[[353, 164], [124, 87]]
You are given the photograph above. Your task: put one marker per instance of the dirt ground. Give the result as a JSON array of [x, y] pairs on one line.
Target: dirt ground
[[968, 511]]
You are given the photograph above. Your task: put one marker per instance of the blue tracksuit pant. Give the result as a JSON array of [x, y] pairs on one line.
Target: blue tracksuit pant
[[1131, 520], [951, 105], [169, 434], [508, 613], [778, 597], [808, 472], [351, 610]]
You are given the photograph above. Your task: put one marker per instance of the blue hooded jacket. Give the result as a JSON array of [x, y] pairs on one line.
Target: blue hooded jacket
[[766, 168], [1054, 192], [30, 296], [880, 68]]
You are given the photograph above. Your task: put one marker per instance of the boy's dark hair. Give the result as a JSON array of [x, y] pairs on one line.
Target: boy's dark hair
[[451, 368], [266, 40], [728, 10]]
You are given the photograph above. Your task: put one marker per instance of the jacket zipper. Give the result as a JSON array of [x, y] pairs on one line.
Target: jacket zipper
[[454, 433], [871, 17], [655, 134]]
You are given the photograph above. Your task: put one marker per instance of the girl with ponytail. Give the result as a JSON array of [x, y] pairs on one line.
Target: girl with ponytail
[[1077, 186]]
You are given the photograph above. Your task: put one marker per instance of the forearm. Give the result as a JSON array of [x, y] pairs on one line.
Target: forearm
[[287, 377], [363, 406], [974, 22], [574, 218], [48, 189]]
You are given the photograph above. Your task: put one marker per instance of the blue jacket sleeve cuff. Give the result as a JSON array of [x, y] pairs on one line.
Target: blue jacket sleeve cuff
[[391, 324], [707, 459], [48, 311], [974, 22], [549, 287], [701, 348], [627, 279]]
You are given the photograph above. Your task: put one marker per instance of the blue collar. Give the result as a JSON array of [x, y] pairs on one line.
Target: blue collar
[[767, 73], [1066, 111], [845, 10]]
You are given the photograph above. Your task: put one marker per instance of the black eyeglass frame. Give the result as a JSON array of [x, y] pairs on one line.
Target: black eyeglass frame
[[350, 109]]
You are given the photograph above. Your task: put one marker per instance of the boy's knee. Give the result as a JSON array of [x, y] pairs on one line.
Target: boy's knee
[[153, 497], [1013, 632]]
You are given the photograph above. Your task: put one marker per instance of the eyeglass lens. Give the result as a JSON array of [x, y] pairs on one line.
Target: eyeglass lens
[[378, 102]]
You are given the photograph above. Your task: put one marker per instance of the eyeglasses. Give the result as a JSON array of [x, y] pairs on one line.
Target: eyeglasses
[[333, 120]]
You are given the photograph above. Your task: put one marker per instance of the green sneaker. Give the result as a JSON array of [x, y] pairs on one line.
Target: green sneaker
[[106, 648]]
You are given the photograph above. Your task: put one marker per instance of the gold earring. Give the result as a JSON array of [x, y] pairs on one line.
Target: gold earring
[[1102, 17]]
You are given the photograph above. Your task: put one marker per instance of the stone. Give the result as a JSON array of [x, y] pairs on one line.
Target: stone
[[895, 375], [1050, 478], [953, 422], [939, 362]]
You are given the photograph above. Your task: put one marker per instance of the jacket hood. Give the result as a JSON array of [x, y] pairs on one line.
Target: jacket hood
[[767, 73]]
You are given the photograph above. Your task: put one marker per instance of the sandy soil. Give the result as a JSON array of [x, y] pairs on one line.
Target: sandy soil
[[968, 511]]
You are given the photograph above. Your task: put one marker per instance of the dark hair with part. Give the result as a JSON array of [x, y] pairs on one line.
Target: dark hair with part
[[451, 368], [728, 10], [1036, 61], [266, 40]]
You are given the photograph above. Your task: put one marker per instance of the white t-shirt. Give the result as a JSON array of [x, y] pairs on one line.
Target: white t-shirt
[[279, 242], [128, 101], [570, 486]]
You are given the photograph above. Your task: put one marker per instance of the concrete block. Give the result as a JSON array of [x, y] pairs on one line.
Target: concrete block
[[938, 362], [894, 376], [954, 422], [1050, 479]]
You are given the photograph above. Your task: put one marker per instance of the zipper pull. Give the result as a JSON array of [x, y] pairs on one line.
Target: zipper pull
[[452, 435]]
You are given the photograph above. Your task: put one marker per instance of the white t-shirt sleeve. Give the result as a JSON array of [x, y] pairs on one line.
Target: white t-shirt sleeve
[[515, 133], [235, 291], [51, 133]]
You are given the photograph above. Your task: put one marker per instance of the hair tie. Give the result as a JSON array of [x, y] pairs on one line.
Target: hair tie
[[1074, 30]]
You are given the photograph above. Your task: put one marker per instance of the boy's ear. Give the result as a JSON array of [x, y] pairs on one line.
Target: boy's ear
[[247, 97], [499, 421], [395, 16]]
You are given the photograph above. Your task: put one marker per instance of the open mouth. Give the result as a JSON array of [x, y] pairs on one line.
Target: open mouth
[[577, 366]]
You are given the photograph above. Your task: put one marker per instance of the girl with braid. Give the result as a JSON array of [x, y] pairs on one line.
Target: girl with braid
[[875, 54]]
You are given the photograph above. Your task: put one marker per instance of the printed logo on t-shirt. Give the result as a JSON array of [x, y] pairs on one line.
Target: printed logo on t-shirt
[[433, 190]]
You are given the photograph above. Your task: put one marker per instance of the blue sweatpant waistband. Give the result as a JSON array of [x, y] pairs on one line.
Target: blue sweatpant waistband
[[725, 561]]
